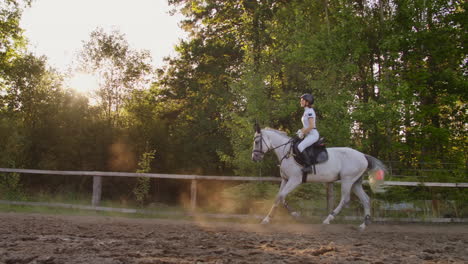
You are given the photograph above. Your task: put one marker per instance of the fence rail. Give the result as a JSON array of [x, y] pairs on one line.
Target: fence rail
[[97, 181], [148, 175]]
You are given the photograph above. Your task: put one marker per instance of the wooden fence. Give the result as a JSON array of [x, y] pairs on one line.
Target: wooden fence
[[97, 182]]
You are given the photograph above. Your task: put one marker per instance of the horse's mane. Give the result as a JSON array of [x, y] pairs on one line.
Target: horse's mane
[[282, 133]]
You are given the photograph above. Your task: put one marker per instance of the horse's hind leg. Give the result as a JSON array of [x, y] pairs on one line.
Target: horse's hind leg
[[365, 200], [293, 213], [345, 197]]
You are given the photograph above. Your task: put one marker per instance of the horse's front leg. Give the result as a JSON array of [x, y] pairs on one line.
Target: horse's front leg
[[285, 189], [270, 215]]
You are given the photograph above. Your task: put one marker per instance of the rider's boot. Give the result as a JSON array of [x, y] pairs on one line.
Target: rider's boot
[[308, 162]]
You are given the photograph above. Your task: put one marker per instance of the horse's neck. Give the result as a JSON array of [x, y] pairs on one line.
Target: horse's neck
[[276, 139]]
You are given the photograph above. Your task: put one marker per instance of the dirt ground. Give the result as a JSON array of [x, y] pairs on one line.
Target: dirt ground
[[34, 238]]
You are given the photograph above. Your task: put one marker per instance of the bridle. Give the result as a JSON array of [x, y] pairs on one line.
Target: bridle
[[261, 144], [262, 140]]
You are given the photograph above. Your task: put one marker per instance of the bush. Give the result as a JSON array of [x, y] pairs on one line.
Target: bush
[[10, 186], [142, 187]]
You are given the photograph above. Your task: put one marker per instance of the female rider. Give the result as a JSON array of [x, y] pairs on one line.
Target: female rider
[[309, 131]]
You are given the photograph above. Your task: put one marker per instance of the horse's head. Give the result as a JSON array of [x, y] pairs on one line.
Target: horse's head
[[260, 147]]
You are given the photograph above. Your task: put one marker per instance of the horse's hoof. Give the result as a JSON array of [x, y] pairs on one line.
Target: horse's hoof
[[328, 219], [265, 221], [296, 215], [367, 220], [362, 227]]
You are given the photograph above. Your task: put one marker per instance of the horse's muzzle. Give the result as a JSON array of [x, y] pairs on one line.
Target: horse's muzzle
[[257, 156]]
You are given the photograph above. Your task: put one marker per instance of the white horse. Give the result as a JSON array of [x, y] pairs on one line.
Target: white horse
[[344, 164]]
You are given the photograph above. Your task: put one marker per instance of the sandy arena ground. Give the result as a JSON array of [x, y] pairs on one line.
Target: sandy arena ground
[[34, 238]]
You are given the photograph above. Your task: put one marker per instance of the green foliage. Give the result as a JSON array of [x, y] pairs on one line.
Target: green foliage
[[255, 109], [389, 78], [10, 138], [383, 82], [119, 68], [11, 187], [141, 190], [12, 41]]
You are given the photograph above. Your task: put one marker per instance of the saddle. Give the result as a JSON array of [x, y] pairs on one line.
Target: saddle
[[318, 153]]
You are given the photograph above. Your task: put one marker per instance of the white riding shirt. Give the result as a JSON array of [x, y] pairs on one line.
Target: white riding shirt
[[313, 135], [308, 113]]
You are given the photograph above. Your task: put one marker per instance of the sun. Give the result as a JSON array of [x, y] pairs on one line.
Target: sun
[[83, 83]]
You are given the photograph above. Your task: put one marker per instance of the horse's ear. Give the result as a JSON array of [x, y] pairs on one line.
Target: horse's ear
[[257, 127]]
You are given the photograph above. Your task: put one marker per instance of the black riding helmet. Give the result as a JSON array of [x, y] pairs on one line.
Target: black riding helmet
[[308, 97]]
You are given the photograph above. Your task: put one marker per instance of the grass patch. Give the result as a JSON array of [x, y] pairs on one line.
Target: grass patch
[[32, 209]]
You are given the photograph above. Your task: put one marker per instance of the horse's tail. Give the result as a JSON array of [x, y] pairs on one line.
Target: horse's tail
[[377, 171]]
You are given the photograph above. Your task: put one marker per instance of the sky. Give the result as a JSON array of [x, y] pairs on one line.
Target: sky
[[58, 28]]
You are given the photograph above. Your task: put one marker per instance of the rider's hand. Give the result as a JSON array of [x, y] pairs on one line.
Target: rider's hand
[[300, 134]]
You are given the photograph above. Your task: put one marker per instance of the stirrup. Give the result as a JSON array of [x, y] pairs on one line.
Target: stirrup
[[307, 169]]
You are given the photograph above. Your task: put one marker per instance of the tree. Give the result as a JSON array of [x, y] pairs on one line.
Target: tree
[[12, 41], [119, 68], [381, 82]]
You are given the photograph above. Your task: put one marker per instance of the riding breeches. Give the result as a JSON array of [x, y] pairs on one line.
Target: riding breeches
[[310, 139]]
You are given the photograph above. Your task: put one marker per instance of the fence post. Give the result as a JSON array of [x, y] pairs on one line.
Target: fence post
[[193, 195], [97, 190], [330, 197]]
